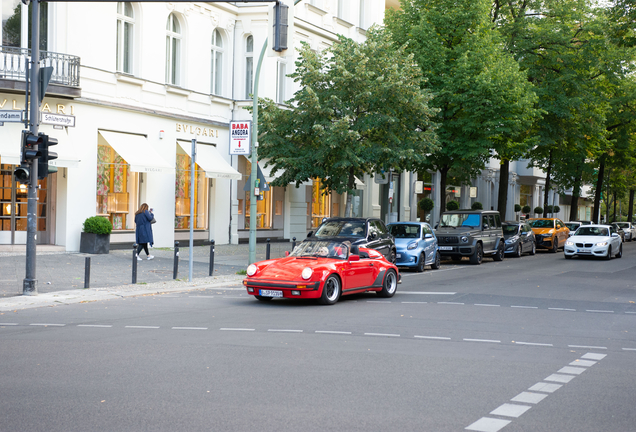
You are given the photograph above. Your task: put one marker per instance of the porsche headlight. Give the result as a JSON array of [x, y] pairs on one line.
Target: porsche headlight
[[412, 245], [251, 270], [464, 239], [601, 244], [307, 272]]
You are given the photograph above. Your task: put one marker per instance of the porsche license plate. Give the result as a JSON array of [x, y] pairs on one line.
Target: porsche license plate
[[446, 248], [270, 293]]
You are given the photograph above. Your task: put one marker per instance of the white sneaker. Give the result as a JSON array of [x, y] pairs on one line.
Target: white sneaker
[[138, 258], [150, 257]]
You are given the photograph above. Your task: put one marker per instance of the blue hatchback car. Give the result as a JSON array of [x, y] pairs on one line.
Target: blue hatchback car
[[416, 245]]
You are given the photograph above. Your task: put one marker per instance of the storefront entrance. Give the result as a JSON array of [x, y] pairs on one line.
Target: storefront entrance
[[13, 209]]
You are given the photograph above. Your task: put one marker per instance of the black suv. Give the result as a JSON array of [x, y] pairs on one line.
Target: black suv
[[369, 233], [471, 233]]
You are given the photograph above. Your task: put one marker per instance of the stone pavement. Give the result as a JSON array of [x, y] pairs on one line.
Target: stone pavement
[[60, 275]]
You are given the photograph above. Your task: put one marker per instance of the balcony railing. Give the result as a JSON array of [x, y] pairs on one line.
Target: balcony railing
[[13, 65]]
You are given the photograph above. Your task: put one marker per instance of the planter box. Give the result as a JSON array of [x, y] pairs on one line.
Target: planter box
[[94, 243]]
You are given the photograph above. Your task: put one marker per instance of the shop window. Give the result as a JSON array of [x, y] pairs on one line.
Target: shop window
[[525, 196], [264, 211], [117, 189], [320, 204], [240, 206], [183, 196], [279, 208]]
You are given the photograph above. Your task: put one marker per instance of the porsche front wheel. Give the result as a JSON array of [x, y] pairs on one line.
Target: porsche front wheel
[[331, 291], [389, 286]]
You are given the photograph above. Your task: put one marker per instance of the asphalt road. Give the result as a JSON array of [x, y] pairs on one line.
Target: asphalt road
[[531, 344]]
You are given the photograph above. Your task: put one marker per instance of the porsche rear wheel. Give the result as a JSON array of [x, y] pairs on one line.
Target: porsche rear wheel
[[331, 291], [261, 298], [389, 286]]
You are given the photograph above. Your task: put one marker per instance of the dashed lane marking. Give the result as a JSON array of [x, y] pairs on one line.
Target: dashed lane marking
[[533, 343], [382, 334], [427, 293], [529, 397], [451, 303], [587, 347], [284, 331], [189, 328], [432, 337], [482, 340], [492, 305], [599, 311], [414, 302], [333, 332], [510, 410], [559, 378], [143, 327], [571, 370], [8, 324], [487, 424], [525, 307], [94, 325], [563, 309], [47, 325], [237, 329]]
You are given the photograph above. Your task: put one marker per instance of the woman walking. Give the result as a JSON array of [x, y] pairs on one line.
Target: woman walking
[[143, 231]]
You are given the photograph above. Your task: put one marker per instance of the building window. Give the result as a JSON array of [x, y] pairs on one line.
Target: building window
[[249, 66], [280, 84], [173, 50], [117, 189], [125, 27], [341, 9], [217, 63], [362, 18], [525, 196], [183, 195], [13, 19], [320, 204]]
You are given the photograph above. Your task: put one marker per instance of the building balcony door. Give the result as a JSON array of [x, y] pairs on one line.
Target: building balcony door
[[13, 209]]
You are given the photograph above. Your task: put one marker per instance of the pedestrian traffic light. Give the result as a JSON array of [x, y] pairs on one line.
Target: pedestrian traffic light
[[30, 146], [45, 156], [22, 173]]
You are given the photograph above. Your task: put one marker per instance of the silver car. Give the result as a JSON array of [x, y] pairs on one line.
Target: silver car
[[629, 229]]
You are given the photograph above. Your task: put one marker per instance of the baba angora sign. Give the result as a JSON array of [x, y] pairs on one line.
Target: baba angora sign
[[240, 133]]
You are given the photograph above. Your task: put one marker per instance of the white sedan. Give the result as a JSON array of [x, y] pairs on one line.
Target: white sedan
[[630, 230], [594, 240]]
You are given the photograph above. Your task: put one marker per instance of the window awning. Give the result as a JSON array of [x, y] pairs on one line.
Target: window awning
[[211, 161], [137, 152], [66, 154]]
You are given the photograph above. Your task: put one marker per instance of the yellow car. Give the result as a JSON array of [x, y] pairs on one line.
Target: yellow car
[[550, 233]]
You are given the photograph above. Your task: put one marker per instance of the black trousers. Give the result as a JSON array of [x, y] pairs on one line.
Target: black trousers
[[143, 246]]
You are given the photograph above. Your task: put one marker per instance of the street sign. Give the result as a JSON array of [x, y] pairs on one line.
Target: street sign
[[58, 119], [240, 137], [11, 116]]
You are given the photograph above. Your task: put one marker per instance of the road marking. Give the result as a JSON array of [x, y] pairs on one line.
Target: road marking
[[414, 302], [585, 363], [571, 370], [526, 307], [382, 334], [594, 356], [493, 305], [285, 331], [189, 328], [236, 329], [4, 324], [450, 303], [545, 387], [599, 311], [528, 397], [510, 410], [534, 344], [427, 293], [560, 378], [631, 312], [94, 325], [486, 424], [629, 349], [47, 325], [562, 309], [482, 340], [433, 337], [143, 327], [378, 301], [332, 332], [587, 347]]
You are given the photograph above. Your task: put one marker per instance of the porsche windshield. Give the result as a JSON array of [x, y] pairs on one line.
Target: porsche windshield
[[459, 220], [341, 228], [592, 231], [542, 223], [322, 249]]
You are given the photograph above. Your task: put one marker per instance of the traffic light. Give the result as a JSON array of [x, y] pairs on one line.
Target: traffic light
[[22, 173], [30, 146], [45, 156], [281, 24]]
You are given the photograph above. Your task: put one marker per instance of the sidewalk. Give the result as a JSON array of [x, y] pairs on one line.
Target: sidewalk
[[60, 275]]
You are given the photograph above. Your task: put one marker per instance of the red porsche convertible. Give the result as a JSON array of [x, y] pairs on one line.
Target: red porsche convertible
[[322, 269]]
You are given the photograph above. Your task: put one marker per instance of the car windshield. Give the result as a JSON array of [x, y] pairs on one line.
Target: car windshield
[[510, 229], [341, 228], [572, 226], [459, 219], [592, 231], [405, 231], [542, 223], [623, 224], [322, 249]]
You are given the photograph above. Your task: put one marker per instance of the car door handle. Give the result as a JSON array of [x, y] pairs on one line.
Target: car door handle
[[370, 264]]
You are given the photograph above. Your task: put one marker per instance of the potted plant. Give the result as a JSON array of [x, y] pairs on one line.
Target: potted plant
[[95, 237], [477, 206], [538, 210], [517, 208], [452, 205], [426, 204]]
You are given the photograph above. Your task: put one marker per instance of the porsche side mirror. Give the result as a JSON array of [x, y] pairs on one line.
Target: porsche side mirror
[[286, 253], [354, 257]]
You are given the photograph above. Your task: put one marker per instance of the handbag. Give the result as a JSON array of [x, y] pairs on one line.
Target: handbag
[[153, 220]]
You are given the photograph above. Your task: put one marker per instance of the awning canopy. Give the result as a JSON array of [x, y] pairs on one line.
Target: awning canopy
[[66, 153], [211, 161], [137, 152]]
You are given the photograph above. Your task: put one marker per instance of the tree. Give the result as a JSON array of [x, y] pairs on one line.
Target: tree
[[360, 109], [482, 96]]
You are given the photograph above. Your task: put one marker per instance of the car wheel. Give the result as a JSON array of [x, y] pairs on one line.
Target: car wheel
[[330, 290], [420, 264], [555, 245], [389, 286], [609, 253], [499, 255], [620, 252], [519, 251], [438, 262], [392, 256], [478, 255], [534, 248], [263, 299]]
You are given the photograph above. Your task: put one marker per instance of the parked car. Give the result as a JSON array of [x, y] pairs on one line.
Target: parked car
[[323, 269], [471, 233], [594, 240], [416, 245], [573, 226], [629, 229], [550, 233], [619, 230], [519, 238], [370, 233]]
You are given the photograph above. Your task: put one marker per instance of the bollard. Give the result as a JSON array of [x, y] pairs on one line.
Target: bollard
[[175, 269], [87, 272], [211, 258], [267, 250], [293, 243], [134, 264]]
